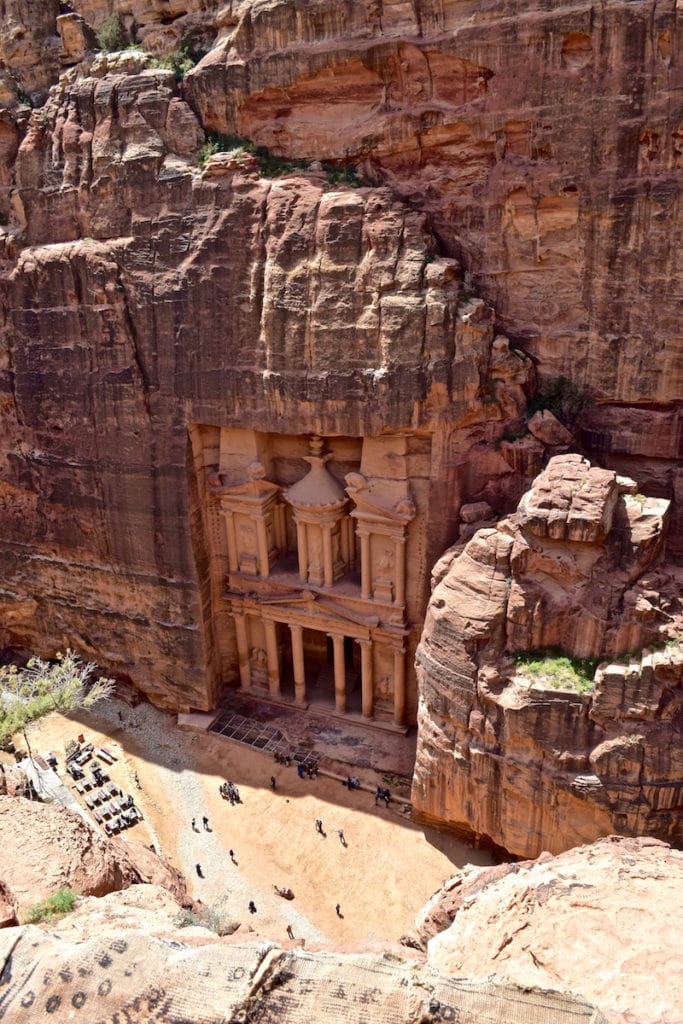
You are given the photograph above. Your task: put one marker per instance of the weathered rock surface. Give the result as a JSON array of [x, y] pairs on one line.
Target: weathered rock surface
[[578, 566], [47, 847], [600, 920], [565, 210], [8, 907], [180, 975]]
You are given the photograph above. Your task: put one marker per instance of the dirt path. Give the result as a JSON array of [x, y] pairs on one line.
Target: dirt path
[[387, 871]]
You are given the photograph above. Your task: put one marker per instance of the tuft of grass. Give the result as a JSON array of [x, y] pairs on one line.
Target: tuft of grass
[[205, 917], [111, 35], [557, 671], [59, 903], [219, 143]]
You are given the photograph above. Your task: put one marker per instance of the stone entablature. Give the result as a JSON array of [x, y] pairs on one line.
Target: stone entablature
[[317, 570]]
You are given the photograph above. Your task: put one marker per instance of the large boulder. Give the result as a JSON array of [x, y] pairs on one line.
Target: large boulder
[[602, 921], [520, 762]]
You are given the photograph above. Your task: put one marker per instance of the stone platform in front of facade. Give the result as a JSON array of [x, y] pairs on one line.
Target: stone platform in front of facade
[[326, 739]]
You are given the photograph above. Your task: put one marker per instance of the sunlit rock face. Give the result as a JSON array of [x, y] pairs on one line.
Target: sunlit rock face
[[579, 566]]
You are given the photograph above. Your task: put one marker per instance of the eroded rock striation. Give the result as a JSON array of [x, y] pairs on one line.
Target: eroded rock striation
[[599, 920], [533, 768]]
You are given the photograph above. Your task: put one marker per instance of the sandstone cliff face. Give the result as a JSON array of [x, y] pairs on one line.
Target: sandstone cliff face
[[529, 767], [566, 212], [599, 920], [153, 296], [147, 298]]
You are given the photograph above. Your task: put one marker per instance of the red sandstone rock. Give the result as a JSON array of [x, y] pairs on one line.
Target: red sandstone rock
[[600, 920], [548, 429], [8, 907], [47, 847], [532, 768]]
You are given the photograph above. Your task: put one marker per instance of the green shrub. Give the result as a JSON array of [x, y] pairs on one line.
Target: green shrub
[[276, 166], [111, 36], [346, 175], [563, 398], [60, 903], [557, 671], [218, 143], [178, 61]]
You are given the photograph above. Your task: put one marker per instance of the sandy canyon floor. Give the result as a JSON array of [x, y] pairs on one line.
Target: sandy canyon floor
[[385, 873]]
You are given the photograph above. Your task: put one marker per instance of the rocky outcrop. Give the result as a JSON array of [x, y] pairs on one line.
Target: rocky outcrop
[[529, 767], [58, 849], [8, 907], [131, 973], [580, 921]]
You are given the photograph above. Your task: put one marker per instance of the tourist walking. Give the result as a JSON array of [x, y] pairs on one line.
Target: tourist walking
[[198, 869], [319, 826], [194, 825], [342, 837], [252, 907], [290, 931], [207, 827], [273, 784], [338, 910]]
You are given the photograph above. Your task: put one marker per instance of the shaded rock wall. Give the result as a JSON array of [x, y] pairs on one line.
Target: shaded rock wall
[[532, 768]]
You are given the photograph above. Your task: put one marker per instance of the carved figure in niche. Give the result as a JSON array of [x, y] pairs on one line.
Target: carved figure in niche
[[317, 550], [246, 532], [258, 658], [386, 562], [383, 687]]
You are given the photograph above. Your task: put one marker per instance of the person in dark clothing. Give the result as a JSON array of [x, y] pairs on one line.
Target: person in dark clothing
[[338, 909], [194, 826], [207, 827], [290, 931], [273, 784], [252, 907], [198, 869]]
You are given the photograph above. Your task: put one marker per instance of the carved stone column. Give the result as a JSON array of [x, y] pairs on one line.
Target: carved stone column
[[298, 664], [302, 548], [400, 577], [339, 674], [232, 540], [328, 559], [399, 687], [365, 567], [367, 681], [273, 659], [243, 650], [262, 538]]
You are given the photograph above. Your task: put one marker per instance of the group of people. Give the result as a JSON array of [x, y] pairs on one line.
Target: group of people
[[229, 791], [382, 794]]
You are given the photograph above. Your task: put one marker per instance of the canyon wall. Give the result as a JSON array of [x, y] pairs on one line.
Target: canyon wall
[[528, 154], [148, 300], [504, 754]]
